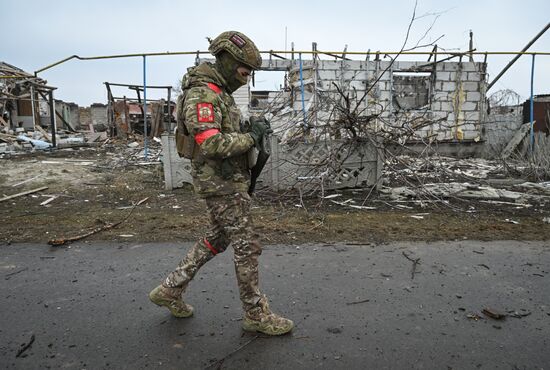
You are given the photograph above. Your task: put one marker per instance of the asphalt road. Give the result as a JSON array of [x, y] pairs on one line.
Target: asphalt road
[[355, 307]]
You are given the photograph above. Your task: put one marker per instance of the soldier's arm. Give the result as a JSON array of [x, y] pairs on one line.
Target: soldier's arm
[[204, 120]]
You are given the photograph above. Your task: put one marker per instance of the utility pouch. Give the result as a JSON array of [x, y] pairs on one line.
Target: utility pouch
[[185, 143]]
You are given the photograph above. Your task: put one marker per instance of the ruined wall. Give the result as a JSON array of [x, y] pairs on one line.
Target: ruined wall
[[499, 128], [450, 100], [98, 113]]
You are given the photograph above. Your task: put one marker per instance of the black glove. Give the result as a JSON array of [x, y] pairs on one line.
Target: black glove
[[258, 128]]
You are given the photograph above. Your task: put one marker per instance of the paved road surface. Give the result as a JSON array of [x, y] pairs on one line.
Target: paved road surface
[[355, 307]]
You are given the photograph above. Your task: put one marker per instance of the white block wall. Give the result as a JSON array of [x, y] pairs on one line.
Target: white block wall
[[457, 94]]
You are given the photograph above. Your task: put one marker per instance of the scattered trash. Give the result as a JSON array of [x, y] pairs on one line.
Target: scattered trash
[[518, 315], [546, 220], [47, 201], [511, 221], [474, 316]]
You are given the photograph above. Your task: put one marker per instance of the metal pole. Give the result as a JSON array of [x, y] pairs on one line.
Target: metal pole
[[532, 104], [518, 55], [302, 90], [471, 45], [169, 128], [145, 107], [52, 119]]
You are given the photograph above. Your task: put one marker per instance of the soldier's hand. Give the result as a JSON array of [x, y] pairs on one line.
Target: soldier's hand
[[258, 128]]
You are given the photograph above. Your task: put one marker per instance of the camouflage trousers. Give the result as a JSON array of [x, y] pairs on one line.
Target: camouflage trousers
[[230, 224]]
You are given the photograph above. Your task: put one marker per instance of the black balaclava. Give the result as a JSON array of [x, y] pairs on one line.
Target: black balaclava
[[227, 66]]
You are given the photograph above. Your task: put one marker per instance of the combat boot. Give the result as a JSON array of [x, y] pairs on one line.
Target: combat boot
[[171, 298], [261, 319]]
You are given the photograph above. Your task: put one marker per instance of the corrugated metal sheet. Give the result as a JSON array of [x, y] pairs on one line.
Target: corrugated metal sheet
[[541, 113]]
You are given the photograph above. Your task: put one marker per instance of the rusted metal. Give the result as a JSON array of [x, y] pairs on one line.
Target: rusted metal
[[541, 113]]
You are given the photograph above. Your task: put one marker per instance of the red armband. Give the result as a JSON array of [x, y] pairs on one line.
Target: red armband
[[200, 137]]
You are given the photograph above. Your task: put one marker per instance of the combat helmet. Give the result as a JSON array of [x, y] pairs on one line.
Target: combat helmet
[[239, 46]]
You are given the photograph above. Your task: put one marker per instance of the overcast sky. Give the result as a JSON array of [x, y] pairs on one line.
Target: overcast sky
[[38, 33]]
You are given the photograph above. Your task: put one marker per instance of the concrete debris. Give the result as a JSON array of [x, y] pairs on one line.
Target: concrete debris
[[546, 220], [349, 203], [37, 144], [458, 190]]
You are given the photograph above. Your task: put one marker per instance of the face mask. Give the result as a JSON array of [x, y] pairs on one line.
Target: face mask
[[227, 66]]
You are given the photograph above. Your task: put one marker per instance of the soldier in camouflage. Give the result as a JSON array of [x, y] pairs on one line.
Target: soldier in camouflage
[[221, 175]]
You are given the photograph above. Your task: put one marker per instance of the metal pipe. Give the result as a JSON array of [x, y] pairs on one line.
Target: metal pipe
[[523, 51], [532, 106], [302, 90], [145, 107], [168, 53]]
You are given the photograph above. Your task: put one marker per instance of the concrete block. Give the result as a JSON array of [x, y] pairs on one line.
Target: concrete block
[[470, 67], [470, 86], [443, 76], [325, 74], [468, 127], [354, 75], [472, 116], [470, 135], [446, 106], [404, 65], [471, 76], [469, 106], [440, 95], [473, 96], [450, 66], [357, 85], [448, 86], [435, 106], [444, 135]]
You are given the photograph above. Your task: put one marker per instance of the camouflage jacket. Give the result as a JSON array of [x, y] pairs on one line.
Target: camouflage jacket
[[214, 121]]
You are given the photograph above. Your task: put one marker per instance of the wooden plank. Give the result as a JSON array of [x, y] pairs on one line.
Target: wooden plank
[[516, 140], [23, 193], [47, 136]]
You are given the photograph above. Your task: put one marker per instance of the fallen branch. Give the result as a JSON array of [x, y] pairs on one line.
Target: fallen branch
[[25, 347], [23, 193], [219, 363], [415, 261], [63, 241], [357, 302], [7, 276]]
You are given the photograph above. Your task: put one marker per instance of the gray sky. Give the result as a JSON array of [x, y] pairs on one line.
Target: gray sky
[[38, 33]]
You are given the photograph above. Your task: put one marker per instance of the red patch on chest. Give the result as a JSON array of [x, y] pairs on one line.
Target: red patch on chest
[[205, 112]]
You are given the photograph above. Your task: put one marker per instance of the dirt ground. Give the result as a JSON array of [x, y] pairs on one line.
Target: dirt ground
[[95, 187]]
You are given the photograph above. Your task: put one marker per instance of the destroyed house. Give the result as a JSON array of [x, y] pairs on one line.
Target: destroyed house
[[440, 101], [25, 100]]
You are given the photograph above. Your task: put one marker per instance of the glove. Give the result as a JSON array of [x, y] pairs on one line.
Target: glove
[[227, 169], [258, 128]]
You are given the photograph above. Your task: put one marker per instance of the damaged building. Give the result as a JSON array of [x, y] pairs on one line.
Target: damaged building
[[379, 104]]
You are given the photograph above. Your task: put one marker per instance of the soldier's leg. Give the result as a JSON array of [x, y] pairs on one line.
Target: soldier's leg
[[247, 251], [169, 292]]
